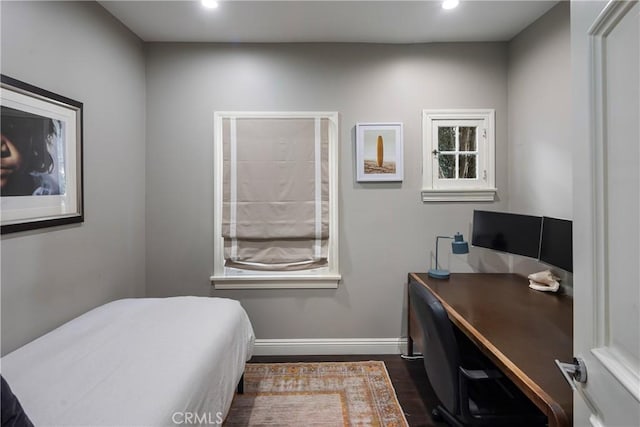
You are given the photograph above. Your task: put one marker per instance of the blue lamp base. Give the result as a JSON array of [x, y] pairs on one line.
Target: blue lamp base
[[438, 274]]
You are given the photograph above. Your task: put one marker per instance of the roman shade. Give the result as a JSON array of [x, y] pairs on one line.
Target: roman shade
[[275, 192]]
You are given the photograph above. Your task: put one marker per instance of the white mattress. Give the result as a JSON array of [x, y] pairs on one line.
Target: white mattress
[[135, 362]]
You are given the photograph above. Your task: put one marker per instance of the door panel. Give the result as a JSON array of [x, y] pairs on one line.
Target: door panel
[[622, 201], [606, 104]]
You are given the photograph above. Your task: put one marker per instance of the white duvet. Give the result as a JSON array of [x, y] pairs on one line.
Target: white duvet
[[135, 362]]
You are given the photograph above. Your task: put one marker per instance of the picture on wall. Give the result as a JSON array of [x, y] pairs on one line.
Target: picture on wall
[[41, 157], [379, 152]]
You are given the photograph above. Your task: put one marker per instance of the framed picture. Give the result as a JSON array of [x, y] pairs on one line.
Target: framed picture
[[41, 163], [379, 152]]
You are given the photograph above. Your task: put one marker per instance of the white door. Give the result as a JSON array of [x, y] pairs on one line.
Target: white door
[[606, 123]]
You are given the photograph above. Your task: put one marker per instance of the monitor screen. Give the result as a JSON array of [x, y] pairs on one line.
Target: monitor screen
[[507, 232], [556, 244]]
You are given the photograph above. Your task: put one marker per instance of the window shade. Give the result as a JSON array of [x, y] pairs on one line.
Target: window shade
[[275, 212]]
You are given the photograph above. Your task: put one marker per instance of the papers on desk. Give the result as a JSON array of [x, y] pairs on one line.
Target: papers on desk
[[544, 281]]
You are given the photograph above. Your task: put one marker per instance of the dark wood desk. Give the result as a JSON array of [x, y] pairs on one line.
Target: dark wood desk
[[521, 330]]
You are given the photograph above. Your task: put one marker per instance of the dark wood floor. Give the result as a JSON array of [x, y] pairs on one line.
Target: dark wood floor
[[408, 377]]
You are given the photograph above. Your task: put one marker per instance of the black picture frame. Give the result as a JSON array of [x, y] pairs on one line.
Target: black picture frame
[[44, 132]]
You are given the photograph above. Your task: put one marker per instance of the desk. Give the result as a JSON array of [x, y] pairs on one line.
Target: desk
[[521, 330]]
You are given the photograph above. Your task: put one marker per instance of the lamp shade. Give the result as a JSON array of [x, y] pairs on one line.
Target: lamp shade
[[459, 246]]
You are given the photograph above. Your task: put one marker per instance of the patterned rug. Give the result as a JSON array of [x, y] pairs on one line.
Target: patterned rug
[[316, 394]]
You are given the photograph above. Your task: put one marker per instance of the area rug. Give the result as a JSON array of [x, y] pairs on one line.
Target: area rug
[[316, 394]]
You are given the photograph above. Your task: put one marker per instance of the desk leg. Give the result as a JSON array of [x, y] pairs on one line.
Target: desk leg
[[409, 331]]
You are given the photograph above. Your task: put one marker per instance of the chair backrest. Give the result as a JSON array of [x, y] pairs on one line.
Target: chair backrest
[[441, 353]]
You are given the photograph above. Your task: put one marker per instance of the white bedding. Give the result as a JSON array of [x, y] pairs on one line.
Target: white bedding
[[135, 362]]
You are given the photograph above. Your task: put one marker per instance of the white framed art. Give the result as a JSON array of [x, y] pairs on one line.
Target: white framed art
[[379, 152]]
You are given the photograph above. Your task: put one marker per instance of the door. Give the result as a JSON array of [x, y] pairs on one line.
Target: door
[[606, 123]]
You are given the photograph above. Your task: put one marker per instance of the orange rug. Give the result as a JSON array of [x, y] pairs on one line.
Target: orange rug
[[316, 394]]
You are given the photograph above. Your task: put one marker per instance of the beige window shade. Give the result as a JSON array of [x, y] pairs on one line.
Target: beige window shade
[[275, 211]]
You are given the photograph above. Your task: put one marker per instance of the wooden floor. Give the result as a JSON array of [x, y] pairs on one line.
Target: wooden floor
[[408, 377]]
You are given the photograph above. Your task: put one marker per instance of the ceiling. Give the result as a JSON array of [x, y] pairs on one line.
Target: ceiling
[[327, 21]]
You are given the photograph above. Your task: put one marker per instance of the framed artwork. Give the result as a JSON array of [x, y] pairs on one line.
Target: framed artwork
[[379, 152], [41, 163]]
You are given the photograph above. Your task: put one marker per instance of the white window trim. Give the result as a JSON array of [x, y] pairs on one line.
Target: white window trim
[[430, 191], [230, 278]]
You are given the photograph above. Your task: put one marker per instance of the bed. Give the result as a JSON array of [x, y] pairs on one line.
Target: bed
[[143, 362]]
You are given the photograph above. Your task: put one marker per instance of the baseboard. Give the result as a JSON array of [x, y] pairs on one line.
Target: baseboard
[[330, 346]]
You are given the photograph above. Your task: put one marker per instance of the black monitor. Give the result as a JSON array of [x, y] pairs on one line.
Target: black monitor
[[556, 244], [507, 232]]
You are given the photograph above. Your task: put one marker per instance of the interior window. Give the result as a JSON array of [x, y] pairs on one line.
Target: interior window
[[458, 155], [276, 203]]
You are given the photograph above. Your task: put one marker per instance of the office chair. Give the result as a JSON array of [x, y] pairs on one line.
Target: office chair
[[472, 392]]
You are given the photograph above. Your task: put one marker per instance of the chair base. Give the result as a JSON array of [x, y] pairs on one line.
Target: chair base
[[440, 414]]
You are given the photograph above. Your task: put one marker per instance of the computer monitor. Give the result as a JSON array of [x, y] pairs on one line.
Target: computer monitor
[[556, 244], [507, 232]]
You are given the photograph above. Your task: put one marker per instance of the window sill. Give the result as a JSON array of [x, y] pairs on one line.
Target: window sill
[[453, 195], [302, 281]]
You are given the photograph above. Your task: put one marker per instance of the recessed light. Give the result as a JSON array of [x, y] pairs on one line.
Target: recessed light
[[450, 4], [210, 4]]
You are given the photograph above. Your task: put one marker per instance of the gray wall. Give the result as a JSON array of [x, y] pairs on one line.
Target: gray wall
[[539, 102], [50, 276], [539, 128], [386, 231]]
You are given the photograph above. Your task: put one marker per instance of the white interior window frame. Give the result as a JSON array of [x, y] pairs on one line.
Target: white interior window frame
[[445, 190], [232, 278]]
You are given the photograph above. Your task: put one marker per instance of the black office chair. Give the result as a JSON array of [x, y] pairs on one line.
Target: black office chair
[[471, 390]]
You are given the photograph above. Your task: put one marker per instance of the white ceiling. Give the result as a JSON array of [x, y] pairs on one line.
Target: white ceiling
[[327, 21]]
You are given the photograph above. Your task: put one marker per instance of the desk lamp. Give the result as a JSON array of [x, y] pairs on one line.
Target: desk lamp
[[458, 246]]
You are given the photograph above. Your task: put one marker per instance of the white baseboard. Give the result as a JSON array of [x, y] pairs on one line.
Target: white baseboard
[[329, 346]]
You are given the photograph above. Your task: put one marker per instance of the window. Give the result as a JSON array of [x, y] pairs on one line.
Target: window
[[458, 155], [276, 209]]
